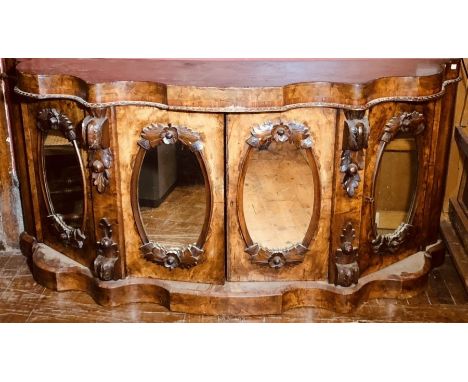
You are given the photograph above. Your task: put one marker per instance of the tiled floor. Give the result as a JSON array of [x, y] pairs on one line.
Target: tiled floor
[[22, 300]]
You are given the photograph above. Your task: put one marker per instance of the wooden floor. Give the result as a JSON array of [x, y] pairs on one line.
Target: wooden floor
[[22, 300], [179, 219]]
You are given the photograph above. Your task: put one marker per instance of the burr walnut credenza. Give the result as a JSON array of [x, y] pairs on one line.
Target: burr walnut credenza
[[234, 186]]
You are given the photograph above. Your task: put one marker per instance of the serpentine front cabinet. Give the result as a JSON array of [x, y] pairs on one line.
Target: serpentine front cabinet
[[235, 187]]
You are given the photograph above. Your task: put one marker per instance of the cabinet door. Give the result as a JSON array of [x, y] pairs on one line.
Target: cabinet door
[[172, 193], [399, 183], [59, 179], [279, 181]]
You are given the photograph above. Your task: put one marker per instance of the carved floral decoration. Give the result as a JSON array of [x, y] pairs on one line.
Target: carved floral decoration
[[347, 268], [108, 253], [391, 242], [356, 134], [172, 258], [157, 133], [279, 131], [96, 135], [276, 258]]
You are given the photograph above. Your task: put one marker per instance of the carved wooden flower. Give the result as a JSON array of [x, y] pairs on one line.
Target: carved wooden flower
[[277, 260], [169, 135], [281, 133], [171, 260]]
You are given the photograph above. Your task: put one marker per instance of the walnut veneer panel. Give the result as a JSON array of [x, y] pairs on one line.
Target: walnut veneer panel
[[130, 121], [321, 123]]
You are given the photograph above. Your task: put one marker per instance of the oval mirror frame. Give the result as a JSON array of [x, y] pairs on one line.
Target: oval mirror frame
[[51, 119], [411, 123], [170, 257], [284, 132]]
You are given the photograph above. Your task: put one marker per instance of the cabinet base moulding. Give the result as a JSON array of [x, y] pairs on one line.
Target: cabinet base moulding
[[403, 279]]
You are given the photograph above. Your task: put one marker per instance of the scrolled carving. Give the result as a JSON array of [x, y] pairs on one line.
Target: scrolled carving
[[68, 235], [409, 122], [279, 131], [52, 119], [172, 258], [108, 253], [157, 133], [96, 136], [391, 242], [276, 258], [355, 137], [347, 268]]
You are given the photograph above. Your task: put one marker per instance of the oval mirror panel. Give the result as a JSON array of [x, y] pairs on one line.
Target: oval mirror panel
[[278, 195], [396, 184], [172, 195], [63, 177]]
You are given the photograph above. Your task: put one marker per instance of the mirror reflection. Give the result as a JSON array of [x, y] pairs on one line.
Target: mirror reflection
[[396, 183], [172, 195], [63, 177], [278, 195]]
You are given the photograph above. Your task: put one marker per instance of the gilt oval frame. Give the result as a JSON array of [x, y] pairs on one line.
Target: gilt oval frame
[[413, 123], [52, 119], [186, 256], [261, 137]]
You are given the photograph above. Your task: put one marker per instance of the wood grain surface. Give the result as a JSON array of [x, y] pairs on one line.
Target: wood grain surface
[[237, 86]]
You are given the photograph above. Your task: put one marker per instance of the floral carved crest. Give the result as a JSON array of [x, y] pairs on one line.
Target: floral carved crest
[[276, 258], [172, 257], [391, 242], [406, 123], [157, 133], [279, 131], [68, 235], [52, 119]]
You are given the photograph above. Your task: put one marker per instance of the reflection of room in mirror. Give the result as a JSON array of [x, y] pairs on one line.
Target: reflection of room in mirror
[[278, 195], [395, 184], [63, 176], [172, 196]]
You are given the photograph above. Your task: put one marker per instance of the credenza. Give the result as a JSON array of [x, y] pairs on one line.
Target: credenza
[[234, 186]]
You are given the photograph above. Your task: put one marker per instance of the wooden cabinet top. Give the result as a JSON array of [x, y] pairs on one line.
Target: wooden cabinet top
[[237, 85]]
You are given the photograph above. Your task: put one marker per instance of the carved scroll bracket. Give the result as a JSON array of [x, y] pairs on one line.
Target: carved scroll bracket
[[276, 258], [355, 137], [280, 131], [169, 134], [108, 253], [172, 258], [347, 268], [95, 130]]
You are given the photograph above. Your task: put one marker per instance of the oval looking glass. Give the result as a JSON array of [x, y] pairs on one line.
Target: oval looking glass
[[396, 184], [63, 178], [172, 207], [172, 196], [279, 194]]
